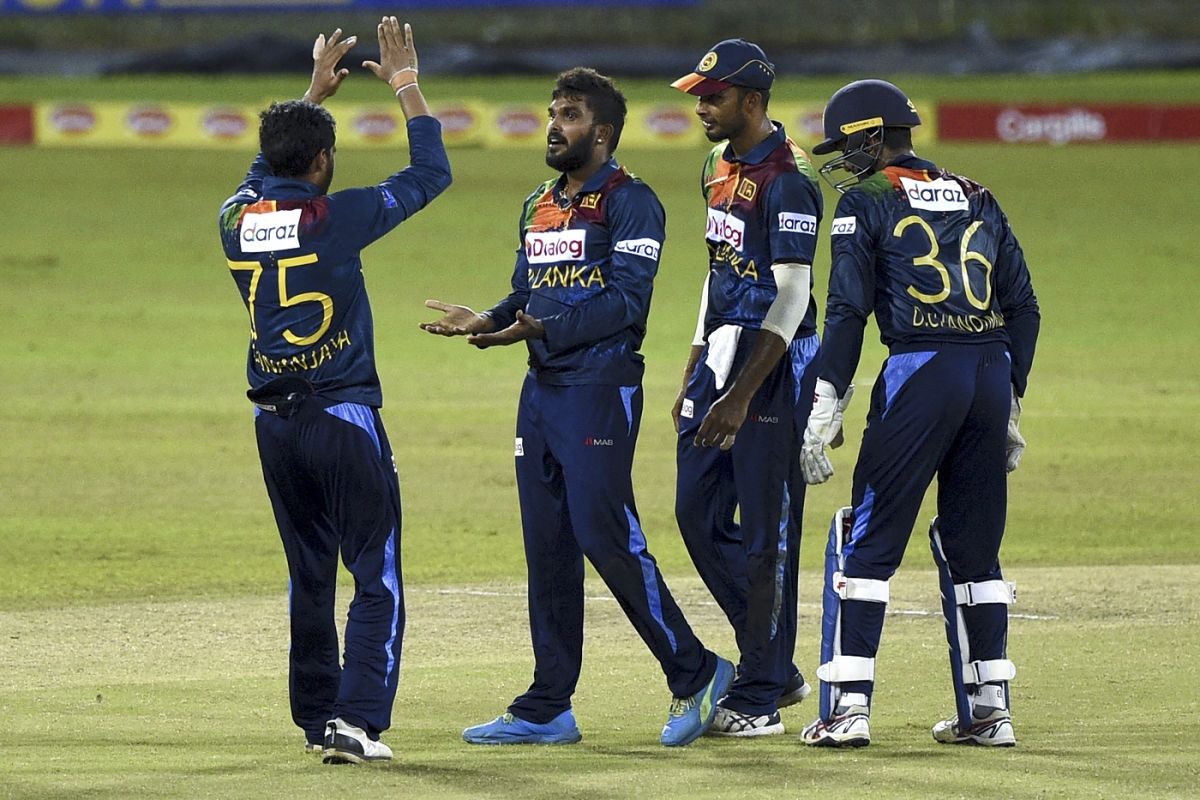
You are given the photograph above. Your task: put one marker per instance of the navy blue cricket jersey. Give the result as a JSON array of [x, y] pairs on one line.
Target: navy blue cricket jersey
[[763, 209], [294, 255], [586, 269], [932, 255]]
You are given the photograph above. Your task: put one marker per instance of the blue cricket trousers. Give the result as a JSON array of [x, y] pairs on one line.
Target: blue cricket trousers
[[750, 565], [333, 486], [574, 456], [940, 412]]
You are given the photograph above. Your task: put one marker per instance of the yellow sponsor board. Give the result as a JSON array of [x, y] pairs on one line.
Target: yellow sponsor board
[[195, 125], [465, 123], [670, 124]]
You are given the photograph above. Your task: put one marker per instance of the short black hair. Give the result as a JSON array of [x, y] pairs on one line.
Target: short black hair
[[601, 95], [742, 91], [897, 138], [291, 133]]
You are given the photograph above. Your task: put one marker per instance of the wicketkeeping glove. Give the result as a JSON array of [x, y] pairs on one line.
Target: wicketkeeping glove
[[1016, 442], [824, 428]]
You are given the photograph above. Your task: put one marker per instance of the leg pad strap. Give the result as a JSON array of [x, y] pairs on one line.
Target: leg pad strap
[[848, 668], [866, 589], [974, 594], [1000, 669]]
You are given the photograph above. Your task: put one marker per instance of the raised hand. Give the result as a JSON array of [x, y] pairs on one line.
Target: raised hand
[[326, 77], [397, 65], [456, 320]]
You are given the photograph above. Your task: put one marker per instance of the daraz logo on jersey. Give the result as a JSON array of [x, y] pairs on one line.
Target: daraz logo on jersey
[[724, 227], [275, 230], [548, 247], [939, 195], [646, 248], [797, 223]]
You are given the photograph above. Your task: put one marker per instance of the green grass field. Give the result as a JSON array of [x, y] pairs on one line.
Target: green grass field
[[143, 639]]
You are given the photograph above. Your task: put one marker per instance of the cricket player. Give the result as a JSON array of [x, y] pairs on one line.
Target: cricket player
[[933, 256], [748, 383], [590, 244], [293, 251]]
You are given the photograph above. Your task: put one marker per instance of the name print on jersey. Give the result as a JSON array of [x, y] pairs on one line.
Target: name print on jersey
[[548, 247], [938, 195], [723, 227], [274, 230]]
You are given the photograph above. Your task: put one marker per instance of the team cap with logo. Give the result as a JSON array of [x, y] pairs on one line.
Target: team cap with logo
[[861, 105], [733, 62]]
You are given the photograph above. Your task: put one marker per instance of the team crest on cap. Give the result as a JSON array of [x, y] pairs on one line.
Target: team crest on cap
[[708, 62]]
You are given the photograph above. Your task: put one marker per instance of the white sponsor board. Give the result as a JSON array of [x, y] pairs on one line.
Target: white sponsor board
[[552, 247], [938, 195], [646, 248], [843, 225], [724, 227], [797, 223], [275, 230]]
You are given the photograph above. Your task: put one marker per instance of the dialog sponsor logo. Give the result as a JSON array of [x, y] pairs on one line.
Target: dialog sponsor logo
[[149, 122], [519, 449], [225, 123], [1074, 125], [939, 195], [519, 123], [668, 121], [843, 226], [548, 247], [688, 409], [797, 223], [73, 119], [646, 248], [726, 228], [274, 230], [375, 125], [455, 119]]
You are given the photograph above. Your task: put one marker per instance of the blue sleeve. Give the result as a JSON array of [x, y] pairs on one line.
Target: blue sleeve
[[504, 313], [851, 292], [793, 208], [250, 188], [637, 229], [1018, 304], [367, 213]]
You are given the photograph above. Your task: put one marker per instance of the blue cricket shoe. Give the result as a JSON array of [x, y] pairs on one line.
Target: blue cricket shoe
[[507, 729], [691, 716]]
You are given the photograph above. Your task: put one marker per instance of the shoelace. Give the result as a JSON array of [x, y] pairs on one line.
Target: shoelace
[[682, 705]]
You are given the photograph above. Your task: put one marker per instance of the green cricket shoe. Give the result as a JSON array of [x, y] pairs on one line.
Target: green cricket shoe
[[690, 717]]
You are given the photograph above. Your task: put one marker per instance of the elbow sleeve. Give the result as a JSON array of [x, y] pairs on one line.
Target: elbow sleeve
[[791, 300]]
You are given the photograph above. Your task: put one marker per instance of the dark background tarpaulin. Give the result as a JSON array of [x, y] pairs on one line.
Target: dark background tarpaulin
[[620, 37]]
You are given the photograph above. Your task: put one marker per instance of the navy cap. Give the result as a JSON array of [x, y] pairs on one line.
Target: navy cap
[[733, 62], [861, 105]]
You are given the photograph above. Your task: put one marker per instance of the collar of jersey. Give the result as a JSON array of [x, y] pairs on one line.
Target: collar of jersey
[[760, 151], [593, 183], [283, 188], [912, 162]]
